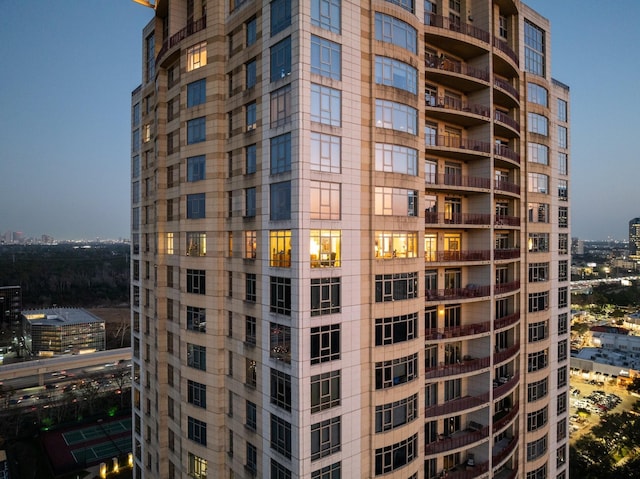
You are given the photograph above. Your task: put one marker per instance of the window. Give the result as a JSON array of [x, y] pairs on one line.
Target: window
[[563, 323], [396, 371], [326, 105], [563, 163], [538, 331], [538, 183], [196, 206], [196, 244], [325, 153], [251, 116], [196, 168], [250, 202], [561, 429], [561, 402], [563, 141], [251, 287], [250, 155], [197, 394], [280, 55], [538, 153], [325, 200], [534, 49], [396, 329], [537, 390], [278, 471], [325, 438], [196, 281], [281, 389], [540, 473], [196, 93], [325, 391], [395, 73], [135, 140], [326, 14], [252, 459], [196, 56], [325, 246], [537, 94], [197, 430], [563, 217], [135, 115], [538, 272], [395, 287], [250, 372], [503, 27], [562, 110], [280, 342], [280, 201], [150, 67], [538, 242], [328, 472], [325, 58], [537, 419], [280, 15], [563, 243], [250, 244], [251, 71], [395, 244], [196, 130], [196, 319], [537, 124], [561, 456], [396, 159], [325, 343], [325, 296], [396, 116], [197, 467], [538, 301], [563, 190], [251, 28], [197, 356], [251, 416], [280, 295], [390, 458], [281, 436], [281, 111], [392, 30], [537, 448], [563, 297], [396, 414], [395, 202], [250, 334], [280, 247], [562, 376], [281, 154], [538, 360]]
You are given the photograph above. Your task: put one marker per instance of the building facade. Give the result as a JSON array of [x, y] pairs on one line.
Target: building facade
[[634, 238], [350, 241]]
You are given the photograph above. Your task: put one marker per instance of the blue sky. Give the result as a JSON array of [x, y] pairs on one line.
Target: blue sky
[[68, 68]]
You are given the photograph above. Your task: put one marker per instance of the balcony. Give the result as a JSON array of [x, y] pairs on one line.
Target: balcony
[[445, 180], [173, 40], [503, 448], [506, 49], [457, 147], [507, 87], [467, 472], [500, 390], [455, 110], [471, 291], [504, 220], [509, 125], [477, 219], [440, 21], [505, 321], [459, 75], [506, 354], [457, 332], [506, 152], [457, 256], [506, 287], [464, 367], [503, 418], [502, 185], [457, 440], [456, 405], [509, 253]]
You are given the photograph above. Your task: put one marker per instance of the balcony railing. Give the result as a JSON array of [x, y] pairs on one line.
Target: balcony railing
[[505, 387], [503, 220], [463, 367], [469, 255], [457, 180], [503, 448], [173, 40], [456, 405], [442, 63], [506, 86], [449, 103], [440, 21], [503, 185], [457, 332], [457, 218], [509, 253], [506, 287], [502, 117], [470, 473], [471, 291], [457, 440], [457, 142], [506, 353], [506, 49], [506, 320], [506, 152], [504, 420]]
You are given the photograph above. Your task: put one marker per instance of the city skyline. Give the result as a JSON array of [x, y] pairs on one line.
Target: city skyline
[[73, 181]]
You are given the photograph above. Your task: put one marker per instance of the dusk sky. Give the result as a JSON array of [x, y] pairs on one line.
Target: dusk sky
[[69, 67]]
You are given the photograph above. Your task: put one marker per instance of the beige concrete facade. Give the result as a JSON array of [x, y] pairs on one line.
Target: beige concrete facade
[[350, 227]]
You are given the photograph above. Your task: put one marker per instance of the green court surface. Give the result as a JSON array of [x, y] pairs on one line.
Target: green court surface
[[96, 431], [102, 451]]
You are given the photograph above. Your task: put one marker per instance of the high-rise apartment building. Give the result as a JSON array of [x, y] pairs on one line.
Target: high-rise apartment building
[[634, 238], [350, 241]]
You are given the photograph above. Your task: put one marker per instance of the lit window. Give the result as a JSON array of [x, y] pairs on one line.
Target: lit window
[[196, 244], [325, 248], [196, 56], [250, 244], [169, 243], [280, 247], [396, 244]]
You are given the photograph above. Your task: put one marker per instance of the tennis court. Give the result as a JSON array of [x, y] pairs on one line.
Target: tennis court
[[94, 432]]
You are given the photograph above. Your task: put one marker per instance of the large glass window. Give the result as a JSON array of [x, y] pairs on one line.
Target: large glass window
[[280, 295], [325, 200], [280, 247], [396, 414], [325, 391], [281, 154], [196, 93], [196, 394], [280, 15], [326, 57], [325, 343], [197, 430], [196, 56], [326, 105], [251, 116], [326, 14], [538, 183], [534, 49], [395, 73], [281, 59], [196, 281], [196, 130], [396, 329], [563, 163], [251, 154], [251, 74], [562, 110], [390, 458], [537, 94], [324, 248], [196, 319], [396, 371], [392, 30], [280, 436], [537, 124], [196, 243], [196, 206], [281, 389], [396, 116], [197, 467], [196, 168], [325, 153], [396, 287], [250, 202], [325, 296], [538, 242], [325, 438], [280, 101], [280, 201], [280, 342], [538, 153], [396, 159], [197, 356], [395, 202], [563, 137], [396, 244]]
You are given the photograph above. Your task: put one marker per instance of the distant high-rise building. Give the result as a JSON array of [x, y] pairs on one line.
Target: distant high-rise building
[[10, 306], [634, 238], [350, 241]]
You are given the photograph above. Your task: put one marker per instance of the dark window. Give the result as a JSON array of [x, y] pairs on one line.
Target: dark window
[[325, 296], [250, 202], [280, 342], [396, 371], [196, 93], [392, 457], [251, 74], [325, 343], [197, 430], [325, 438], [196, 130], [196, 394], [396, 329], [280, 15], [328, 472], [196, 281], [280, 295], [251, 287], [395, 287], [281, 389], [196, 206], [281, 201], [250, 330], [252, 31], [280, 59], [250, 159], [197, 356], [396, 414], [281, 436], [196, 168], [281, 154], [196, 319], [252, 416], [278, 471], [325, 391]]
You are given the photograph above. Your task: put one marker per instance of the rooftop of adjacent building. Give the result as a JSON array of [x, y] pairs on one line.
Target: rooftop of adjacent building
[[60, 316]]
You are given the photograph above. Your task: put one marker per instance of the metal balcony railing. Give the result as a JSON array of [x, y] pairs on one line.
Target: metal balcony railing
[[457, 218], [471, 291], [457, 332], [506, 152], [506, 320], [503, 388], [502, 117], [503, 448], [455, 256], [456, 405], [444, 64], [440, 21], [447, 179], [509, 253], [503, 185], [506, 86], [505, 354], [463, 367], [457, 440], [457, 142], [506, 49], [506, 287], [450, 103], [504, 420], [507, 220], [173, 40]]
